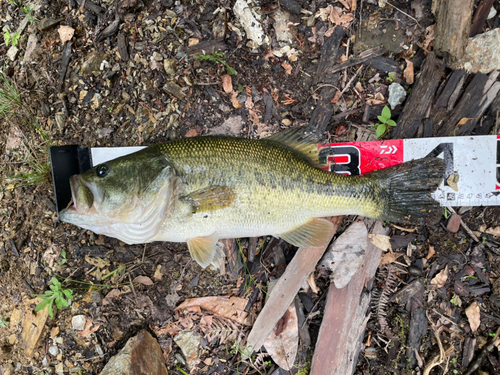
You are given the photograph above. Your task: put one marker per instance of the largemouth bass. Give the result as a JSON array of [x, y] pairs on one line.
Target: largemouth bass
[[199, 190]]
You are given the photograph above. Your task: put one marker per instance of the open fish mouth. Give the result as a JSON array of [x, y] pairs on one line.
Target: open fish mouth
[[86, 196]]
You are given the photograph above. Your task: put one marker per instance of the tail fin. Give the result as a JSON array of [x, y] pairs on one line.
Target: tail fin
[[407, 189]]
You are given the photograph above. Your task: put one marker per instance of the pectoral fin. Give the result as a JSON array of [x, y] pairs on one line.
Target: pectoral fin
[[315, 233], [203, 249], [211, 198]]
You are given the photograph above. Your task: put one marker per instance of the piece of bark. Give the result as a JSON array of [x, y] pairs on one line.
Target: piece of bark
[[122, 47], [363, 58], [291, 5], [91, 6], [468, 352], [66, 57], [492, 114], [384, 64], [420, 99], [207, 47], [453, 22], [344, 321], [418, 323], [329, 56], [111, 30], [480, 16], [476, 99], [285, 290]]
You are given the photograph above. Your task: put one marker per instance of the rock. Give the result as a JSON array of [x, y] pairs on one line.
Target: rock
[[12, 53], [60, 368], [397, 94], [250, 21], [93, 63], [175, 90], [482, 53], [232, 126], [47, 23], [78, 322], [454, 223], [53, 350], [170, 66], [141, 355], [189, 343], [30, 47]]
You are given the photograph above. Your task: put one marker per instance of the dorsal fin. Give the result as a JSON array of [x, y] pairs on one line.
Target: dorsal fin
[[303, 140]]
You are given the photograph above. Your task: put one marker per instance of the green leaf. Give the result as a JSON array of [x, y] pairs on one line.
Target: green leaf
[[68, 293], [42, 304], [15, 38], [53, 288], [6, 36], [386, 112], [382, 119], [59, 302], [381, 130], [231, 71], [56, 282], [391, 122], [51, 312]]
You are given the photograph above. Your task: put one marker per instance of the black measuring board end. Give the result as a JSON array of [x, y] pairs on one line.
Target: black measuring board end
[[65, 162]]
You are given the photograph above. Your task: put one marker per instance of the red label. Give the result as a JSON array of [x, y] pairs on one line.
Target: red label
[[356, 158]]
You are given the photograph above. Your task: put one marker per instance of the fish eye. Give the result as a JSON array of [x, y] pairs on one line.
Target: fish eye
[[102, 170]]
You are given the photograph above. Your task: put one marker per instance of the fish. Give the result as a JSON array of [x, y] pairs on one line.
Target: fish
[[202, 189]]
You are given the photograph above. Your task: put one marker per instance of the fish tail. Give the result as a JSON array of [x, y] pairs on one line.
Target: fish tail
[[407, 188]]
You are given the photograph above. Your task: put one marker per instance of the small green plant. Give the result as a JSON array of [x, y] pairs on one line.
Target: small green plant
[[11, 38], [56, 294], [385, 120], [3, 323], [492, 335], [27, 9], [218, 58], [181, 370], [446, 213], [453, 361], [63, 256], [456, 301], [390, 78]]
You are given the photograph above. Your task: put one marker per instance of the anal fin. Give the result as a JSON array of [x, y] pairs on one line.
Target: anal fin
[[315, 233], [203, 249]]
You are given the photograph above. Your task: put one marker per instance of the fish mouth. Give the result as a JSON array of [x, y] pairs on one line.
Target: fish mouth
[[86, 196]]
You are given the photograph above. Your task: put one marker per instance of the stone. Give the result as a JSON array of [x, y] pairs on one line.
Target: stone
[[189, 343], [170, 66], [397, 94], [12, 53], [60, 368], [93, 63], [53, 350], [454, 223], [78, 322], [175, 90], [140, 355]]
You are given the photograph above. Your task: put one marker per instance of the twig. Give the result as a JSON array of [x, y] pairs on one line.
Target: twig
[[132, 287], [443, 354], [406, 14], [474, 237]]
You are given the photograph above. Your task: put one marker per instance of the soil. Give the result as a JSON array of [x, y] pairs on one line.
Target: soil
[[162, 92]]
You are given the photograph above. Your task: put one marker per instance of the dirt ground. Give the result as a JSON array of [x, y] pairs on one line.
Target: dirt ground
[[137, 81]]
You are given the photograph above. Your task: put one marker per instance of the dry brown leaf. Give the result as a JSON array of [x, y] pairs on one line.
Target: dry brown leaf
[[430, 34], [227, 83], [464, 120], [232, 308], [66, 33], [430, 253], [336, 97], [408, 73], [376, 100], [114, 293], [283, 341], [440, 279], [493, 231], [389, 257], [287, 67], [474, 315], [87, 331], [381, 241], [353, 5], [144, 280], [234, 100], [312, 283], [158, 275], [193, 42], [346, 4]]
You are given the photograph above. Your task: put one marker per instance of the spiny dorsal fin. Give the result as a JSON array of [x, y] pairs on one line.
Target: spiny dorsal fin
[[314, 233], [211, 198], [304, 140], [203, 249]]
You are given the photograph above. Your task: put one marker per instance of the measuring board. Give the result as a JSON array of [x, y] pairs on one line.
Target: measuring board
[[474, 161]]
